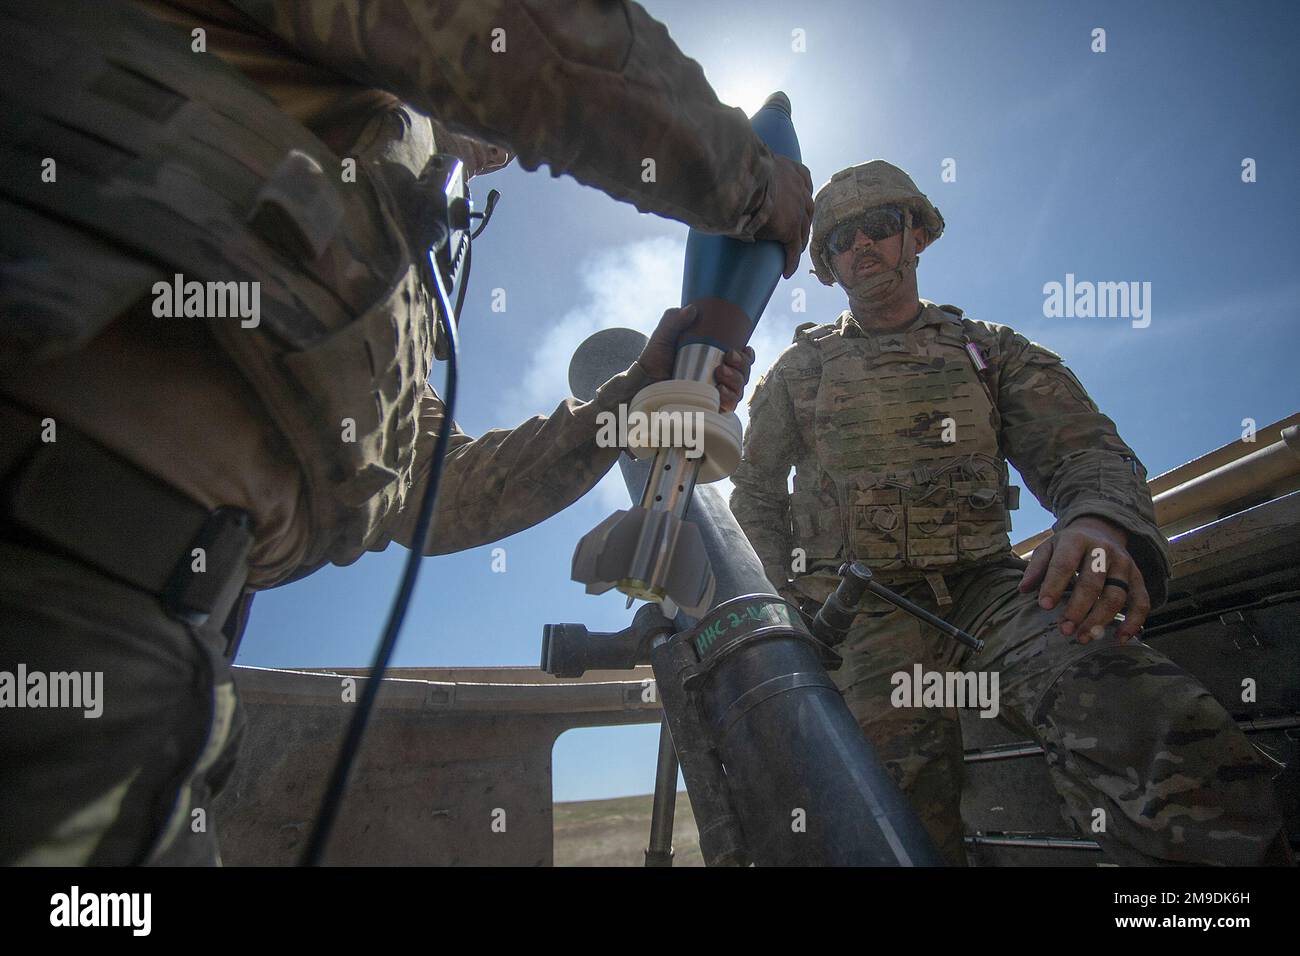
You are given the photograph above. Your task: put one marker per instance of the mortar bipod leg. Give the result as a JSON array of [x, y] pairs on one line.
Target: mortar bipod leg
[[660, 850]]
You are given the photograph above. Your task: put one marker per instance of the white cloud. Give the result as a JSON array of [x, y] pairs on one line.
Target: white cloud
[[628, 286]]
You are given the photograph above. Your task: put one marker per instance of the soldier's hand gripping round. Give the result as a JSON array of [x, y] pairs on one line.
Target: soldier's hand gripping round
[[1108, 579], [792, 210], [658, 355]]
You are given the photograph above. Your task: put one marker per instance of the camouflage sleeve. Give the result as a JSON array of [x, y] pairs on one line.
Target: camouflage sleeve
[[592, 89], [1071, 456], [761, 498], [507, 480]]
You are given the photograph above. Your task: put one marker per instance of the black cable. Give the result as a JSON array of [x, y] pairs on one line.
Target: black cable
[[338, 783]]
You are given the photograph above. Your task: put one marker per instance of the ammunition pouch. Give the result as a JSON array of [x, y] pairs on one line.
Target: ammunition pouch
[[960, 511]]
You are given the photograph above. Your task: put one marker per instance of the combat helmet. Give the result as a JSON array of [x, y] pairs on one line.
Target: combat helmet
[[859, 188]]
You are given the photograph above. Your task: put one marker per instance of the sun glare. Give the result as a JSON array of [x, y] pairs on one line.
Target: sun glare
[[744, 86]]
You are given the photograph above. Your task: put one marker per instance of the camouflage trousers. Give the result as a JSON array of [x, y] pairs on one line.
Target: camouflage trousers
[[1124, 730], [132, 784]]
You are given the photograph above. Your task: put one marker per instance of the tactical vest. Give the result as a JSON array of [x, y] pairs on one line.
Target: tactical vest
[[903, 471], [171, 161]]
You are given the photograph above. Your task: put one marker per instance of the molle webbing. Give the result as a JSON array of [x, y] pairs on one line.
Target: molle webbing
[[905, 471], [171, 159]]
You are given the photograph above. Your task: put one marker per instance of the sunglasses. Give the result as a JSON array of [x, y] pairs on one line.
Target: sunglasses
[[875, 224]]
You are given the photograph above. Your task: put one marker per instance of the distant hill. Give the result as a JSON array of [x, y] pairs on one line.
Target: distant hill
[[614, 832]]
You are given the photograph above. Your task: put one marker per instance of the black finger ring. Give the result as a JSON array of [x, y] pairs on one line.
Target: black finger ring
[[1116, 583]]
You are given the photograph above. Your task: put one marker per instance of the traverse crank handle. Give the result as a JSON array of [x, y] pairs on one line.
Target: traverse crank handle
[[832, 623]]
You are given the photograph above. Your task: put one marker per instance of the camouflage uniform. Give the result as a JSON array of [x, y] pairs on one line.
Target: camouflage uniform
[[900, 441], [861, 417], [223, 166]]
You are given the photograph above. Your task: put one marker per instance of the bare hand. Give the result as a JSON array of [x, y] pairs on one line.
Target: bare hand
[[659, 353], [1097, 550], [792, 209], [479, 156]]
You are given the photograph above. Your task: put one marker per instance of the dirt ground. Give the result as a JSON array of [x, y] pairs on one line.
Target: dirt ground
[[614, 832]]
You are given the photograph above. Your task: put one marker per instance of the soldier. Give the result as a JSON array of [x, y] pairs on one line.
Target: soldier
[[899, 419], [158, 471]]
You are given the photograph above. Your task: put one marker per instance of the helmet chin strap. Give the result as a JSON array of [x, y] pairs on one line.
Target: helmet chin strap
[[881, 287]]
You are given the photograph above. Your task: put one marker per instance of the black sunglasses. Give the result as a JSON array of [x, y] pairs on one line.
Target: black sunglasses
[[875, 224]]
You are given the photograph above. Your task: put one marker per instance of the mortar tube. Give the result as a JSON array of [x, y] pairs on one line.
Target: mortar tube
[[791, 748]]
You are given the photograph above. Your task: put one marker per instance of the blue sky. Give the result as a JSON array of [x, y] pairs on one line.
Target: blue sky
[[1115, 166]]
